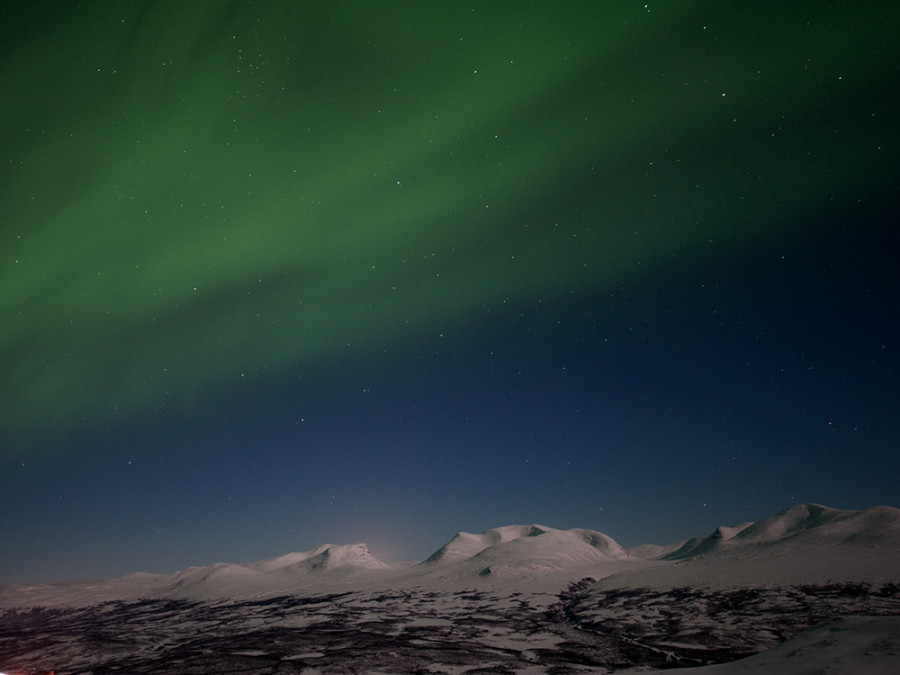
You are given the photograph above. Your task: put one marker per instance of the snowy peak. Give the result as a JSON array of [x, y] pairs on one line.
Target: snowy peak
[[525, 547], [602, 542], [343, 557], [286, 560], [323, 563], [801, 525], [792, 521], [215, 573], [464, 545], [701, 545], [320, 559], [822, 525]]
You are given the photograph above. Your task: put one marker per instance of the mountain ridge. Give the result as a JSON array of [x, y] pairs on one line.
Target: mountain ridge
[[800, 524], [465, 545], [790, 543]]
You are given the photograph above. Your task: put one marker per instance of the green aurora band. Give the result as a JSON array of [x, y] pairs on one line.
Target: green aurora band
[[192, 195]]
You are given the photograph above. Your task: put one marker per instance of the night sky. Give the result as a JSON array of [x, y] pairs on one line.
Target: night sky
[[276, 274]]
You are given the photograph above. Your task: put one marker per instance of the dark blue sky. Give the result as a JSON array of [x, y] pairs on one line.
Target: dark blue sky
[[295, 277]]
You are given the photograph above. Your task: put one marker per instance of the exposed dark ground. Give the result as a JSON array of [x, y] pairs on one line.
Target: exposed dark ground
[[418, 631]]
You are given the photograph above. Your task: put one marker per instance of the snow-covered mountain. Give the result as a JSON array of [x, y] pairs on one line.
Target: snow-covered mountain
[[293, 572], [323, 558], [700, 545], [804, 542], [532, 547], [519, 598], [800, 526], [543, 558]]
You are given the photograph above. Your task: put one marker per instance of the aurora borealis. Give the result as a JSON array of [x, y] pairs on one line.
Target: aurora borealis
[[276, 273]]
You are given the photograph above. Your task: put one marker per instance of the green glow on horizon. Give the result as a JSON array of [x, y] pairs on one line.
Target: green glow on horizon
[[190, 199]]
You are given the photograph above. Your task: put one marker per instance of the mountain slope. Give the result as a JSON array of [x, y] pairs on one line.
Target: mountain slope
[[806, 543], [530, 548], [799, 526], [323, 558], [319, 567], [858, 644]]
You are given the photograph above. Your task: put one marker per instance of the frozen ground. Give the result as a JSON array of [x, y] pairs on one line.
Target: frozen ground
[[857, 645], [809, 590]]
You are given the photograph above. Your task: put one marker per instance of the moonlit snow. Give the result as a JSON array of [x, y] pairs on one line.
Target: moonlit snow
[[808, 588]]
